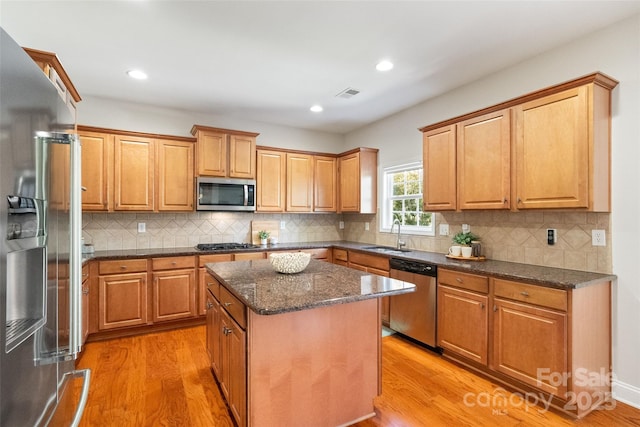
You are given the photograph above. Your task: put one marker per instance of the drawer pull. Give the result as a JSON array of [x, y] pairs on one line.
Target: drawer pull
[[123, 267], [173, 263], [459, 280], [209, 305], [85, 292], [482, 305], [209, 283], [227, 304], [524, 293], [226, 330], [495, 308]]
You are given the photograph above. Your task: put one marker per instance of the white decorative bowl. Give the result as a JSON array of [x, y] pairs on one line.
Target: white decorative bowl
[[289, 262]]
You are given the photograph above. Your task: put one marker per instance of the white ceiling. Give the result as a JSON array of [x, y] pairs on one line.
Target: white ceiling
[[270, 61]]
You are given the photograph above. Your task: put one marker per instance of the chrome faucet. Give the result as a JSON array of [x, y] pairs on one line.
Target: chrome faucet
[[400, 243]]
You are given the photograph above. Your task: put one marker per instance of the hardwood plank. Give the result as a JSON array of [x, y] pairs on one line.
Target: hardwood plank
[[165, 379]]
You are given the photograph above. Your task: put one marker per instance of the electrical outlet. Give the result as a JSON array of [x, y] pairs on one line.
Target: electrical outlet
[[444, 229], [366, 226], [282, 225], [598, 238], [466, 228], [341, 225], [552, 236], [142, 227]]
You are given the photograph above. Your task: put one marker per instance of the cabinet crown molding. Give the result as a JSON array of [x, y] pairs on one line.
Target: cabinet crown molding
[[196, 128]]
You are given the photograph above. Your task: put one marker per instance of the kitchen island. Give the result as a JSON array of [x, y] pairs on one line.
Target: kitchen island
[[299, 349]]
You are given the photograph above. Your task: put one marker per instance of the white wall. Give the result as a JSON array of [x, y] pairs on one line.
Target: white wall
[[109, 113], [614, 51]]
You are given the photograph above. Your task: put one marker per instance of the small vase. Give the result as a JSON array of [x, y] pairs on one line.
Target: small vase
[[263, 242]]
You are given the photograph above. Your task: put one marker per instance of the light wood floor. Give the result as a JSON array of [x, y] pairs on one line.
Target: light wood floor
[[163, 379]]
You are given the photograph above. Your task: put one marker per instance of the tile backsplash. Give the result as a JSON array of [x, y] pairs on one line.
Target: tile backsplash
[[509, 236], [113, 231]]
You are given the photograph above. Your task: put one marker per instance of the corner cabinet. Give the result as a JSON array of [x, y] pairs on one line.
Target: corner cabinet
[[358, 176], [545, 150], [225, 153]]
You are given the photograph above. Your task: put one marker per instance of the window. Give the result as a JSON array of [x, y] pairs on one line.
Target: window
[[402, 200]]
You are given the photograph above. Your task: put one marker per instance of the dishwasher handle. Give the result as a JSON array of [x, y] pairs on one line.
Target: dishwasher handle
[[417, 267]]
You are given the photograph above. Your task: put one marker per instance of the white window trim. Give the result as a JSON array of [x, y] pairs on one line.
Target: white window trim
[[385, 212]]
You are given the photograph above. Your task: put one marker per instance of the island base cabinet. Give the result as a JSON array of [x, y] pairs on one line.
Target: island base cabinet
[[318, 367]]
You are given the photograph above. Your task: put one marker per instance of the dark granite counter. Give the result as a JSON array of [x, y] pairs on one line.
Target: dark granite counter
[[538, 275], [266, 291]]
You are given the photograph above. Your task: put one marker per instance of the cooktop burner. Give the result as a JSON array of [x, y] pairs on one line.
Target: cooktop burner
[[225, 246]]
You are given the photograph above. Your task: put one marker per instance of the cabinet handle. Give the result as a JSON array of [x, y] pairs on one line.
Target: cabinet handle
[[226, 330], [495, 307], [524, 293], [482, 305], [173, 263], [85, 291], [519, 200], [505, 200], [209, 283], [227, 304], [123, 267], [459, 280], [209, 305]]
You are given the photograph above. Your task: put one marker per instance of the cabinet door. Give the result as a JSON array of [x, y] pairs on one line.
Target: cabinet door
[[174, 295], [439, 160], [122, 300], [483, 158], [462, 323], [552, 151], [324, 184], [175, 176], [96, 163], [349, 167], [85, 304], [271, 181], [299, 182], [214, 333], [242, 156], [134, 160], [530, 344], [237, 364], [212, 153]]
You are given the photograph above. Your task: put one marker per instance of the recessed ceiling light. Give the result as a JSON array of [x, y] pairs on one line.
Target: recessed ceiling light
[[137, 74], [316, 108], [384, 65]]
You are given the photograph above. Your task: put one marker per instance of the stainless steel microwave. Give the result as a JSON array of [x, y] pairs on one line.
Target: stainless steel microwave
[[225, 194]]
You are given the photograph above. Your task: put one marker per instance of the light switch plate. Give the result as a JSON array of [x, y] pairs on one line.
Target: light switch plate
[[466, 228], [366, 226], [142, 227], [282, 225], [341, 225], [444, 229]]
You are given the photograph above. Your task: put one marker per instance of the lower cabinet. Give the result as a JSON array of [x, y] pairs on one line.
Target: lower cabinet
[[85, 302], [536, 338], [372, 264], [174, 288], [123, 300], [227, 346]]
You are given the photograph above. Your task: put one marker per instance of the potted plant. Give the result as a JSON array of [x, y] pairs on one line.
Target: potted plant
[[462, 244], [263, 235]]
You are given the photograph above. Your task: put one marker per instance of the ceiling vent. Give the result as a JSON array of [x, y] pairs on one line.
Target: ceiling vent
[[348, 93]]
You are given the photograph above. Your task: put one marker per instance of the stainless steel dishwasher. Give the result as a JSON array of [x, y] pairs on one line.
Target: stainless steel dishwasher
[[414, 314]]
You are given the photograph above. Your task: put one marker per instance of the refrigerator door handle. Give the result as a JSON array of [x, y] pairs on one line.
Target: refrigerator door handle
[[86, 379], [75, 256], [61, 415]]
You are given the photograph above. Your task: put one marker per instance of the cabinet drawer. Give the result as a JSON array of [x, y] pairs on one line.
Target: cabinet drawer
[[340, 255], [204, 259], [170, 263], [319, 253], [538, 295], [122, 266], [377, 262], [247, 256], [213, 285], [466, 281], [234, 307]]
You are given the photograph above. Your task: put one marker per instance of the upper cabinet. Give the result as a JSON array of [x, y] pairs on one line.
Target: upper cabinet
[[225, 153], [358, 171], [299, 182], [325, 174], [271, 181], [52, 67], [546, 150], [127, 171]]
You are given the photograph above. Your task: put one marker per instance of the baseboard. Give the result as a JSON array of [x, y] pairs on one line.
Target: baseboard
[[626, 393]]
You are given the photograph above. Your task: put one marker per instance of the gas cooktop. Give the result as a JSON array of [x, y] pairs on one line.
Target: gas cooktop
[[225, 246]]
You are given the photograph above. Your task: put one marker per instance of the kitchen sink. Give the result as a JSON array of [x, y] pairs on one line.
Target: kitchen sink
[[387, 249]]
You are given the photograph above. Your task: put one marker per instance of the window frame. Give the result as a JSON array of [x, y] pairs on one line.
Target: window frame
[[385, 221]]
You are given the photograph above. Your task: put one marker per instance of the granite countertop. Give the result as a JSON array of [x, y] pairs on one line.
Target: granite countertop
[[266, 291], [559, 278]]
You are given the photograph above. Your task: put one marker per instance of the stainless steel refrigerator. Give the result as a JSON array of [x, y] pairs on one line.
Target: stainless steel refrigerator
[[40, 253]]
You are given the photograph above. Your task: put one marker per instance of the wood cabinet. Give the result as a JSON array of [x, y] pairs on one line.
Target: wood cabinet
[[463, 315], [225, 153], [227, 346], [96, 155], [484, 161], [271, 181], [535, 338], [85, 302], [132, 171], [175, 176], [122, 291], [55, 72], [439, 163], [325, 186], [174, 288], [357, 170], [203, 276], [299, 182], [372, 264], [545, 150]]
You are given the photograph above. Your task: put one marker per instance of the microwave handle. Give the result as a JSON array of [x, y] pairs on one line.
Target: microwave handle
[[246, 194]]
